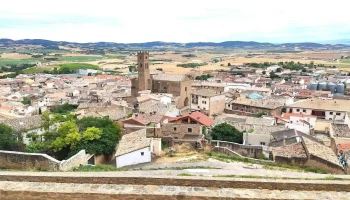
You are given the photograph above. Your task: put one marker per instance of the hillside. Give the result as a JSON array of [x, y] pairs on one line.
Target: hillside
[[157, 44]]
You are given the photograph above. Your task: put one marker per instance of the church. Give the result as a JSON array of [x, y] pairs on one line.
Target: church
[[176, 84]]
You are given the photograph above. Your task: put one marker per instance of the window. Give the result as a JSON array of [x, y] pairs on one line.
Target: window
[[174, 128], [262, 143], [331, 113], [140, 65], [189, 130], [146, 57], [185, 89], [164, 88], [142, 153], [198, 107], [304, 110], [298, 110], [338, 114]]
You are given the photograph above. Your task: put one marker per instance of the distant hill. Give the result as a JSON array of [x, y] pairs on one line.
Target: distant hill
[[158, 44]]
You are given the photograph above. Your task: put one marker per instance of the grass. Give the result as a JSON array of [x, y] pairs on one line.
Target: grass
[[38, 69], [79, 58], [185, 174], [75, 66], [266, 165], [4, 62], [97, 168]]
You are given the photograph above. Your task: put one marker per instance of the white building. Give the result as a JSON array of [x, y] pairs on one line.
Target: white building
[[208, 101], [334, 110], [87, 72], [134, 148], [300, 122]]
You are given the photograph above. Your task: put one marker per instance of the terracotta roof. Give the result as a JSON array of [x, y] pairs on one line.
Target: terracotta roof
[[169, 77], [26, 123], [200, 118], [342, 147], [132, 142]]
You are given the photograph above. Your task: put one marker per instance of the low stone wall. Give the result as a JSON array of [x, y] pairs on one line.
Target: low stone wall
[[252, 151], [38, 161], [150, 131], [291, 160], [297, 185], [27, 161], [74, 161], [320, 163], [230, 152]]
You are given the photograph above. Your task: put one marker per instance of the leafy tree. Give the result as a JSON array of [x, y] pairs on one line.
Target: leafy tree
[[279, 70], [273, 75], [65, 108], [27, 101], [35, 147], [264, 72], [8, 138], [227, 132]]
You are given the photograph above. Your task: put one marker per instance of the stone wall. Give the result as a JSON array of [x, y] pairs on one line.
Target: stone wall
[[74, 161], [37, 161], [297, 185], [321, 163], [252, 151], [27, 161], [291, 160], [150, 131]]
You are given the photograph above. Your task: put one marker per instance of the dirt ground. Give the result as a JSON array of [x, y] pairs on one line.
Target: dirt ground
[[15, 56]]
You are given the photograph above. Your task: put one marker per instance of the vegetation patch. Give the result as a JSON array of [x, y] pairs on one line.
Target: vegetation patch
[[97, 168], [189, 56], [185, 174], [191, 65]]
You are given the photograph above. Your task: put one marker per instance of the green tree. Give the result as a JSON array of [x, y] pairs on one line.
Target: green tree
[[264, 72], [227, 132], [8, 138], [279, 70], [27, 101]]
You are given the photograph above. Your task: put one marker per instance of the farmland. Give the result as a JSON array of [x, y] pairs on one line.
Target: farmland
[[75, 66]]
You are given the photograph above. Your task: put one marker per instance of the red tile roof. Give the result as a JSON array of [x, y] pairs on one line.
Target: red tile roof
[[199, 118], [342, 147]]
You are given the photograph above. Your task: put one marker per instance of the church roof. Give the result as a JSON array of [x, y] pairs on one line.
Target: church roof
[[169, 77]]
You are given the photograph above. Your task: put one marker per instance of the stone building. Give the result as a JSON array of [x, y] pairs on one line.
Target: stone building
[[175, 84]]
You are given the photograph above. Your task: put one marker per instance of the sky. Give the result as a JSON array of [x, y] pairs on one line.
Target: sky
[[133, 21]]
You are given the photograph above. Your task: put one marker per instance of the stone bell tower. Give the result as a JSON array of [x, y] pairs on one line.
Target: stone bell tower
[[144, 76]]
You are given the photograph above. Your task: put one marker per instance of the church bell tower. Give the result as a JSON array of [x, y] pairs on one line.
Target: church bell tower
[[144, 77]]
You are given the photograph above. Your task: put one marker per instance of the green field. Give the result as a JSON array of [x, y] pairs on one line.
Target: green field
[[41, 69], [346, 61], [4, 62], [79, 58], [75, 66]]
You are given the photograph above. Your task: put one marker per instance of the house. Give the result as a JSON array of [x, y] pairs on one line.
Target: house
[[143, 120], [135, 148], [335, 110], [245, 106], [87, 72], [300, 122], [208, 101], [182, 133], [217, 87], [194, 118], [25, 125]]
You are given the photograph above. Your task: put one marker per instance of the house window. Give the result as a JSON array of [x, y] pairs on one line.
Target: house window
[[146, 57], [142, 153], [189, 130], [140, 65], [304, 110], [331, 113], [185, 89], [262, 143], [164, 88], [174, 128], [298, 110], [338, 114]]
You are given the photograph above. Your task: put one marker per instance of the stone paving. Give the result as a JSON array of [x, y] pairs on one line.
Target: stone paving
[[169, 190]]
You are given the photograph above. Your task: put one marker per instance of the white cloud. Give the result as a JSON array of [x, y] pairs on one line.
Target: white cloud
[[179, 21]]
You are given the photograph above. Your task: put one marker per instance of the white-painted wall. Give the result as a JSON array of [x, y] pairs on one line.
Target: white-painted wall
[[134, 158], [301, 110], [337, 115], [301, 128]]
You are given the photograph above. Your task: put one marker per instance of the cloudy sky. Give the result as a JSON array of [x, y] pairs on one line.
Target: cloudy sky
[[176, 21]]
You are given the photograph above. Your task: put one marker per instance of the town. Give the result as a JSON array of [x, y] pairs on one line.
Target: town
[[296, 119]]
